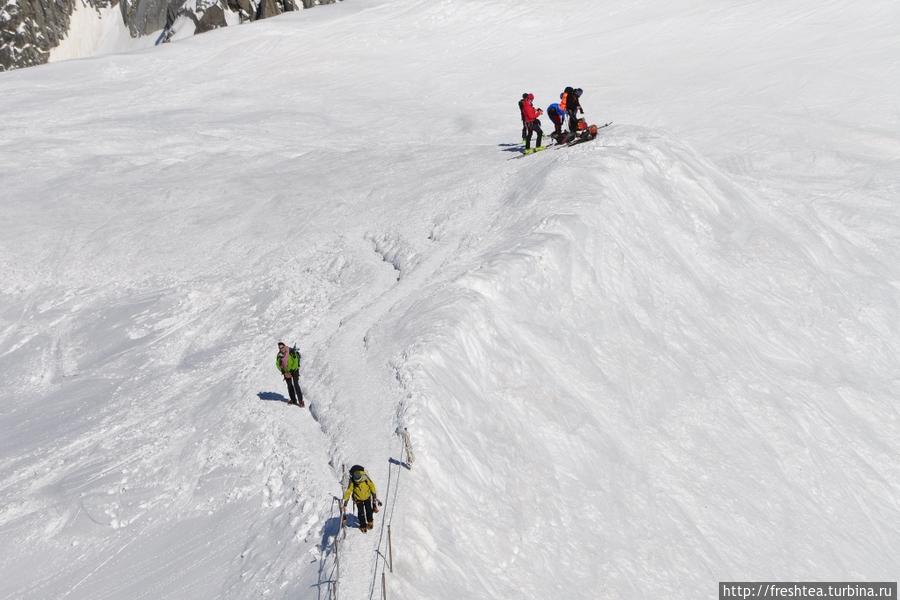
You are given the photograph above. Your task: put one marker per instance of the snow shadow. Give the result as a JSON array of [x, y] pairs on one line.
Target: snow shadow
[[331, 528], [328, 569], [329, 565], [352, 521], [516, 147], [271, 396]]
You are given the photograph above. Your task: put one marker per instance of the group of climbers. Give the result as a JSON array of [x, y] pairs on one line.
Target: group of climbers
[[360, 486], [568, 108]]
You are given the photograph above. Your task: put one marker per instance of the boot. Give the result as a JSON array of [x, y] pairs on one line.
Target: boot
[[371, 525], [363, 527]]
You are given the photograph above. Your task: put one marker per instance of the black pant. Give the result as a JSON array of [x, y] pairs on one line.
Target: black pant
[[294, 384], [530, 128], [573, 121], [364, 511]]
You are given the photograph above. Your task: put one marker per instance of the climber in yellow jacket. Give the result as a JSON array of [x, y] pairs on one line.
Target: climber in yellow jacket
[[363, 491]]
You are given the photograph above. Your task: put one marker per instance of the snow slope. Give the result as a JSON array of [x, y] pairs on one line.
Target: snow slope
[[631, 368]]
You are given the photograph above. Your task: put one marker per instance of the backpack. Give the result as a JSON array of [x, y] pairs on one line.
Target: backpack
[[363, 476], [295, 353], [564, 98]]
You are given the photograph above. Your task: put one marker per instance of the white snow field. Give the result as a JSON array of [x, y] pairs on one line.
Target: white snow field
[[629, 369]]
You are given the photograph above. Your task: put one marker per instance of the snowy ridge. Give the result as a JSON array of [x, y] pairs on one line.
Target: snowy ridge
[[631, 368], [633, 252]]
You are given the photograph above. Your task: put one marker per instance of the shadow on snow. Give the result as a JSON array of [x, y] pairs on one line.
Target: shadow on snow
[[272, 397]]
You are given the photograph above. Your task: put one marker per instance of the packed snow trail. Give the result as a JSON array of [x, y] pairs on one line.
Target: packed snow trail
[[630, 368]]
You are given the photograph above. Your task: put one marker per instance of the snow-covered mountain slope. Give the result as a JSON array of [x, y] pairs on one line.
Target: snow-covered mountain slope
[[630, 368], [34, 32]]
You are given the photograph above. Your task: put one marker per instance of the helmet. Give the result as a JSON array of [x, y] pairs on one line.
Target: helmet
[[357, 472], [529, 96]]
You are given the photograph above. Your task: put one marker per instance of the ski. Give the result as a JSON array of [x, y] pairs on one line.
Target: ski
[[533, 151], [579, 139]]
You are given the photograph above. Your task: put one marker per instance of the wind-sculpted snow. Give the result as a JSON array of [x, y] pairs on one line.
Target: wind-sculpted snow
[[641, 405], [630, 368]]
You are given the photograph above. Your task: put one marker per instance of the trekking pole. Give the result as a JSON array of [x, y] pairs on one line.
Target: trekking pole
[[383, 587], [337, 551], [390, 551], [337, 568]]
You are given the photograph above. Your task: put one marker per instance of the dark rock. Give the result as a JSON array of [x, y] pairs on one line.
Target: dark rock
[[30, 28], [213, 18], [266, 9], [144, 16]]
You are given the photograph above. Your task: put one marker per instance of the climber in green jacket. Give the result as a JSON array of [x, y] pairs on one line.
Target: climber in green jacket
[[288, 362]]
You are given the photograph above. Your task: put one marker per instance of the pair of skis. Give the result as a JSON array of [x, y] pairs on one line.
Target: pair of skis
[[582, 137], [579, 139]]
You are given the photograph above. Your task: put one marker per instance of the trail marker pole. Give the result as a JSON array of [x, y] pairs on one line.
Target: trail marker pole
[[407, 445], [390, 551]]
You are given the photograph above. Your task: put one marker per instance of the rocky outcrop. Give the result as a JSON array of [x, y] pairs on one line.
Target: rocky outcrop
[[212, 18], [29, 29], [143, 16]]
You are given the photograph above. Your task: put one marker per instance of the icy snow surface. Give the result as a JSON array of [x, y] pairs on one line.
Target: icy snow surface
[[630, 369]]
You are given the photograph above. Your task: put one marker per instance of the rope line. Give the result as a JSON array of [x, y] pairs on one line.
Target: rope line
[[380, 562], [329, 576]]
